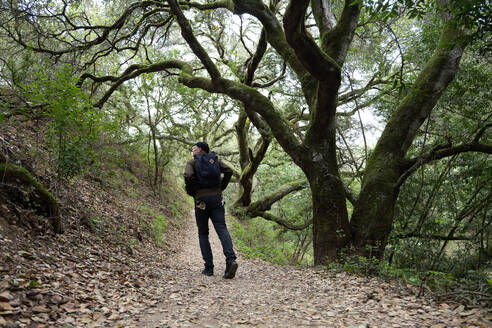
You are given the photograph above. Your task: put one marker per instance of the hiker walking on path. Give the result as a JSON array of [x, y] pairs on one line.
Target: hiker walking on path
[[203, 182]]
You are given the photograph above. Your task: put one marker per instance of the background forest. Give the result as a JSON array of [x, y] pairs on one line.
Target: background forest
[[359, 131]]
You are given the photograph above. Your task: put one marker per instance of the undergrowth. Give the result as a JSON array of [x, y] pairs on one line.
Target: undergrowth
[[256, 238], [470, 286]]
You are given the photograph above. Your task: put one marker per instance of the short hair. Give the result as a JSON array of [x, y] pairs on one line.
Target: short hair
[[203, 145]]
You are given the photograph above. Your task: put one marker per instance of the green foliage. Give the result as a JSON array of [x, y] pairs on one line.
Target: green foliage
[[257, 239], [34, 284], [158, 228], [75, 126], [371, 266], [20, 70], [154, 223], [175, 210], [356, 264], [474, 14], [95, 222]]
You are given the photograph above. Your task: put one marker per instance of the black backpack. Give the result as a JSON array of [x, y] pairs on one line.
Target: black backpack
[[207, 170]]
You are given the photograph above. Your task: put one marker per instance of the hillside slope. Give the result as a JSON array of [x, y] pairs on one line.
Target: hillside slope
[[116, 231]]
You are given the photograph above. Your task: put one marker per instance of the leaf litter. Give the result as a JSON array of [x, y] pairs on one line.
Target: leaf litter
[[92, 285]]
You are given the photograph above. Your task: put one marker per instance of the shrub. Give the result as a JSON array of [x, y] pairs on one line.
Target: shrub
[[158, 229], [257, 239], [75, 125]]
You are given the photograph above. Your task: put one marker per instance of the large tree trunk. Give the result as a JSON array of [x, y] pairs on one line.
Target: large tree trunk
[[330, 218], [331, 231], [372, 220]]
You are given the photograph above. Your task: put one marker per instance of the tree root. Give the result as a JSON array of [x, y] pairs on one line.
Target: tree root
[[35, 194]]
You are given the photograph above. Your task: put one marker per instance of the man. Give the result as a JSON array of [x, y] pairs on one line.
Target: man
[[203, 182]]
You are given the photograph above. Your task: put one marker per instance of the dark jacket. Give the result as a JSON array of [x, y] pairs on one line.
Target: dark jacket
[[191, 183]]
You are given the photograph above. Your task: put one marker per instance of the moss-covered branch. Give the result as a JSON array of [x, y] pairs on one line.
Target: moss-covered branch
[[246, 178], [260, 207], [228, 4], [276, 38], [249, 161], [255, 60], [44, 202], [323, 15], [284, 223], [266, 202], [132, 72], [251, 98], [242, 127], [373, 214], [438, 72]]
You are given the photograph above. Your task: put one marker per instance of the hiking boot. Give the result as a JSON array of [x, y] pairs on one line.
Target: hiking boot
[[208, 271], [230, 271]]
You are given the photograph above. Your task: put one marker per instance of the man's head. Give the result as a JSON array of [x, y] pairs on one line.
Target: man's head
[[200, 146]]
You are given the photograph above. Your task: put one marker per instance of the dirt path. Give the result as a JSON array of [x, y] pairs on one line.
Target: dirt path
[[266, 295]]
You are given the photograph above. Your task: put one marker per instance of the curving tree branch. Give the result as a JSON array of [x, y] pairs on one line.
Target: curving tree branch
[[438, 153], [265, 203], [323, 15], [284, 223], [227, 4], [190, 38], [336, 42], [136, 70], [260, 207], [74, 32]]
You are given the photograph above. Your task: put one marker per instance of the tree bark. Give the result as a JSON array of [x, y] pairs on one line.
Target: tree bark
[[330, 218]]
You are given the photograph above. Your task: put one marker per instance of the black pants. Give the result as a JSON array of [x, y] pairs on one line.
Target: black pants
[[214, 210]]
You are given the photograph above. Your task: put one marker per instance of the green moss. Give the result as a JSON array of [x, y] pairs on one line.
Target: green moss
[[44, 200]]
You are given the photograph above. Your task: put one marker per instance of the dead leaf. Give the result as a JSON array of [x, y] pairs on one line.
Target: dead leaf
[[40, 309], [114, 316], [6, 297], [459, 309], [4, 306]]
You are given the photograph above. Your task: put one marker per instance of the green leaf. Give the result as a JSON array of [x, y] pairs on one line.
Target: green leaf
[[34, 283]]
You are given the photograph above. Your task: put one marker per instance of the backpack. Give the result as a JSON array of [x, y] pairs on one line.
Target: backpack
[[207, 170]]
